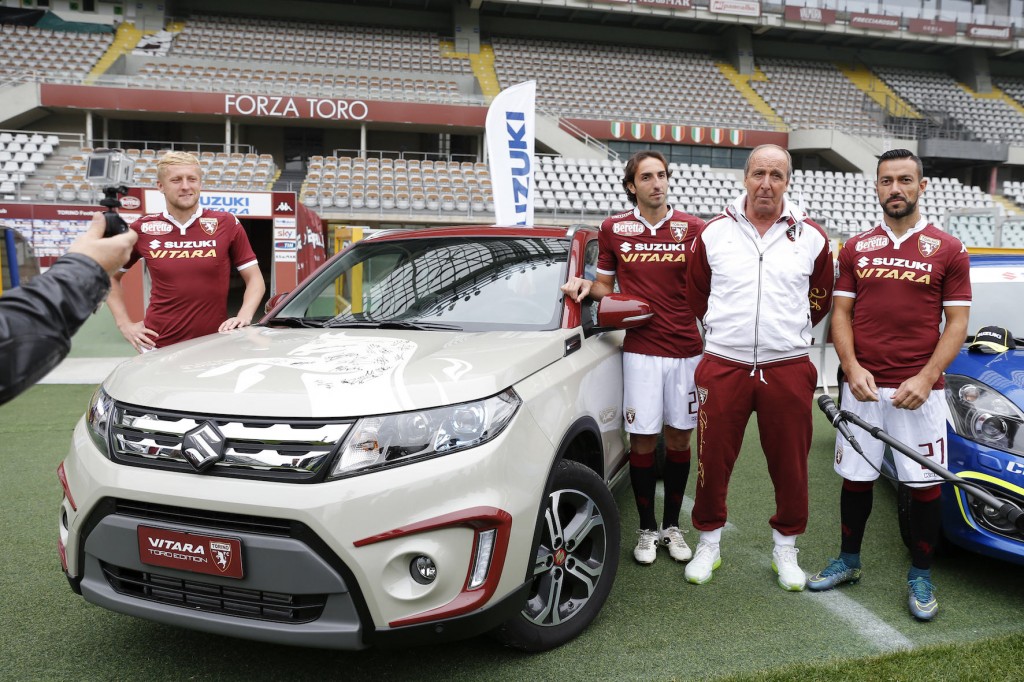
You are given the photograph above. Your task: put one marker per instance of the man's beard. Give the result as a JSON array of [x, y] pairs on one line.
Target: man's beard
[[908, 208]]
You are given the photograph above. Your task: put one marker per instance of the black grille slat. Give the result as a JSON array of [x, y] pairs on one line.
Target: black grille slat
[[235, 601], [221, 521]]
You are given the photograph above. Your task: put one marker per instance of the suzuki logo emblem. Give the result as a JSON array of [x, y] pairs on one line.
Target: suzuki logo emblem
[[203, 446]]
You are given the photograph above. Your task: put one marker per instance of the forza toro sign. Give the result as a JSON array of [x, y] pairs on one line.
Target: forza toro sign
[[295, 107]]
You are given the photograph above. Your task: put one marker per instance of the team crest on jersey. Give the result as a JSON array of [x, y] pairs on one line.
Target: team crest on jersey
[[872, 243], [928, 245], [209, 225], [839, 453], [629, 228], [702, 394], [678, 229], [156, 227], [630, 414]]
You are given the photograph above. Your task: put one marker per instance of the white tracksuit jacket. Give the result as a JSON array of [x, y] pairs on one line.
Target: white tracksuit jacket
[[758, 297]]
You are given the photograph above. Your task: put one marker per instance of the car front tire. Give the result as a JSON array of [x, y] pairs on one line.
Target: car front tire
[[574, 564]]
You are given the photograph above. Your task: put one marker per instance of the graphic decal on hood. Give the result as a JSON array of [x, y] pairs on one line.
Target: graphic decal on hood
[[328, 360]]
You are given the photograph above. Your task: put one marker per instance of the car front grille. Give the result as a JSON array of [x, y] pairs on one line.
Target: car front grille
[[285, 450], [203, 596]]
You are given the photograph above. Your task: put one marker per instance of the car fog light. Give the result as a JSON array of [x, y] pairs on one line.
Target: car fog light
[[423, 570], [482, 562]]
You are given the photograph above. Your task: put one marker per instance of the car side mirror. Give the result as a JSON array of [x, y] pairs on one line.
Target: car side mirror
[[622, 311], [274, 301]]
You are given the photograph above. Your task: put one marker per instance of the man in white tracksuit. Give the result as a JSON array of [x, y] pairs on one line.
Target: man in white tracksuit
[[760, 277]]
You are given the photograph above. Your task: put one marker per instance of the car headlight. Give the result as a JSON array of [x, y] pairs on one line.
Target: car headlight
[[377, 442], [982, 414], [97, 419]]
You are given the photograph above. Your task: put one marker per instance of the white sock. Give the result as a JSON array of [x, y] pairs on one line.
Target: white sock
[[712, 536], [783, 540]]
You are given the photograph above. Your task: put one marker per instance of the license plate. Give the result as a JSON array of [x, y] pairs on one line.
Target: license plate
[[190, 552]]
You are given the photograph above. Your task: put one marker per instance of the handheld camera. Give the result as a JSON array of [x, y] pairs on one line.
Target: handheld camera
[[112, 170]]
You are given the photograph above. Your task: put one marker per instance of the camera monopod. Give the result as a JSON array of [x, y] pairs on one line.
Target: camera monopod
[[1003, 509], [115, 223]]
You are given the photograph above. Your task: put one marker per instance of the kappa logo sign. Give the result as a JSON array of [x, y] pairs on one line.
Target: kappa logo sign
[[283, 207]]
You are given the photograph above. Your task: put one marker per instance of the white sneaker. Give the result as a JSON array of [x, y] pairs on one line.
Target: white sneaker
[[646, 550], [791, 576], [705, 560], [672, 538]]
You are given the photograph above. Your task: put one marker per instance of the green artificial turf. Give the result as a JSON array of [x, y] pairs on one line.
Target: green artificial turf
[[740, 626]]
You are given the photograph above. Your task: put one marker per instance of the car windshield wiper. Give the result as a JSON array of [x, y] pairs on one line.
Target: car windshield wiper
[[312, 322], [393, 324]]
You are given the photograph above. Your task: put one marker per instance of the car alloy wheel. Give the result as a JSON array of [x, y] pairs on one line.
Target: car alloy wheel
[[575, 561]]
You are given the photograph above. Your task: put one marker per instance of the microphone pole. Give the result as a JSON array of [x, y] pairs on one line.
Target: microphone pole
[[828, 406], [1007, 510]]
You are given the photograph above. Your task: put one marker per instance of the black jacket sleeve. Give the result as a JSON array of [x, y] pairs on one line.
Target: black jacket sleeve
[[38, 319]]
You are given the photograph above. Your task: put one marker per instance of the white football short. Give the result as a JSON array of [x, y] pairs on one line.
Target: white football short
[[658, 391], [923, 429]]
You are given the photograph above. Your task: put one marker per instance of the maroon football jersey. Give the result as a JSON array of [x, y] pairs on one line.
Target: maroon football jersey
[[190, 270], [900, 290], [651, 263]]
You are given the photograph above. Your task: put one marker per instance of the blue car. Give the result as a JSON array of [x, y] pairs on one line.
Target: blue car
[[985, 394]]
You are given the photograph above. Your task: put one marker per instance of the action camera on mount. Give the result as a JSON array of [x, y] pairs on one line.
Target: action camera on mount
[[112, 170]]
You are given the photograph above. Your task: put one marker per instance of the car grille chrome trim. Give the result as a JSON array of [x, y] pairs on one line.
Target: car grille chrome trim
[[293, 449], [204, 596]]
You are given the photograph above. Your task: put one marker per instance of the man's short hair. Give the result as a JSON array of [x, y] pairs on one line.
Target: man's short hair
[[896, 154], [629, 174], [177, 159], [755, 150]]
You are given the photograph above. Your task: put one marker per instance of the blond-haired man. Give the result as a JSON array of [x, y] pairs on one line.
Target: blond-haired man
[[189, 252]]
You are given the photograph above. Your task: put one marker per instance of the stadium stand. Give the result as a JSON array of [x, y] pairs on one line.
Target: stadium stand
[[837, 103], [334, 46], [1014, 87], [30, 52], [22, 155], [321, 84], [939, 94], [315, 59], [591, 81]]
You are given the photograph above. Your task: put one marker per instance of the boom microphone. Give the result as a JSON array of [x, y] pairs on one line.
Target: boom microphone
[[828, 406]]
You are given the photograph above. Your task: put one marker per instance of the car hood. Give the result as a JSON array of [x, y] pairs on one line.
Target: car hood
[[331, 373], [1003, 372]]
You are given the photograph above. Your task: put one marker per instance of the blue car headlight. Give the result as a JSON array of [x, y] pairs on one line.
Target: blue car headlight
[[984, 415], [374, 443]]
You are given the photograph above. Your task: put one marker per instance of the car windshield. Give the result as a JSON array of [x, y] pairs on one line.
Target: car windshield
[[436, 283]]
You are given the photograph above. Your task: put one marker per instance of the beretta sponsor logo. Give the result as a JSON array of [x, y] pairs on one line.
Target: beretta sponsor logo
[[872, 243], [130, 202], [628, 228], [157, 227]]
